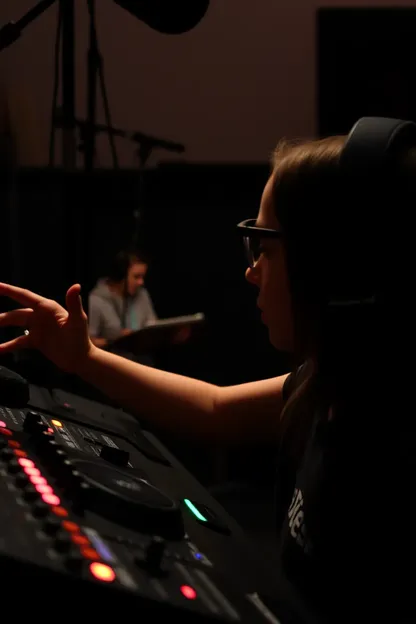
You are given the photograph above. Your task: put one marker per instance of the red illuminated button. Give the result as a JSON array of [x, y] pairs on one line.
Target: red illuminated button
[[60, 511], [43, 488], [32, 472], [89, 553], [102, 572], [80, 540], [51, 499], [188, 592], [72, 527], [38, 480], [5, 431], [26, 463]]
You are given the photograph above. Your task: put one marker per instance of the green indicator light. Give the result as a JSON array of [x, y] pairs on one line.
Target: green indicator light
[[194, 510]]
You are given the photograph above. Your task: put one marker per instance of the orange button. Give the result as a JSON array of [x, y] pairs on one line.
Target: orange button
[[70, 526], [59, 511], [81, 540], [102, 572], [19, 453], [13, 444], [89, 553]]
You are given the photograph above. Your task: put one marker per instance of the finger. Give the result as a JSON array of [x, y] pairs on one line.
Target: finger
[[74, 302], [21, 342], [17, 318], [21, 295]]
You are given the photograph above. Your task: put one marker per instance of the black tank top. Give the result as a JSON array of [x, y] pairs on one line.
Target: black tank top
[[345, 529]]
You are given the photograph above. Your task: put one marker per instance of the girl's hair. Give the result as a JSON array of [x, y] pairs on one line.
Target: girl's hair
[[340, 235]]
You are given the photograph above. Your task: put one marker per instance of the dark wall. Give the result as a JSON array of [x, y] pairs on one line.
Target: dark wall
[[67, 226], [365, 65]]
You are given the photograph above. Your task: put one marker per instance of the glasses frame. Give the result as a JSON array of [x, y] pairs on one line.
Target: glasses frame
[[249, 230]]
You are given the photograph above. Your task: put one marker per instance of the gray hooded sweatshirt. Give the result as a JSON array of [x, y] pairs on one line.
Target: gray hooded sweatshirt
[[106, 309]]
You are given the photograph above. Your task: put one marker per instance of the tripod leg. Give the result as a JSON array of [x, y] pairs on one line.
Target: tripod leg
[[107, 112], [97, 62], [55, 89]]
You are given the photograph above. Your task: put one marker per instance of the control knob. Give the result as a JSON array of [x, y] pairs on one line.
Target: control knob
[[74, 561], [151, 560], [22, 480], [154, 554], [62, 542], [34, 424], [40, 509], [30, 494], [13, 466], [7, 454], [52, 525]]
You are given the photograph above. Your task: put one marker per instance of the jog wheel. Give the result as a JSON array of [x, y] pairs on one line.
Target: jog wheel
[[130, 500]]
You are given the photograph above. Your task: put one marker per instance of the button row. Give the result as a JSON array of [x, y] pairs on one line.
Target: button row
[[44, 505]]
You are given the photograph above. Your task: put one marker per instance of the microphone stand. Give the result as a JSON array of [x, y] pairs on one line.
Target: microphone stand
[[95, 70], [11, 32], [145, 146]]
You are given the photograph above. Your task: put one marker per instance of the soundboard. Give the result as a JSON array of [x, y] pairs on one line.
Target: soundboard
[[96, 514]]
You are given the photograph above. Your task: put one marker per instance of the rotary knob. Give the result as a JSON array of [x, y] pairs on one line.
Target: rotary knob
[[52, 525], [74, 561], [30, 494], [40, 509], [152, 558], [154, 553], [33, 423], [21, 480], [7, 454], [13, 466], [62, 542]]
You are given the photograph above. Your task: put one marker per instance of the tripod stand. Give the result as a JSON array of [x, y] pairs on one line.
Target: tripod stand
[[95, 72]]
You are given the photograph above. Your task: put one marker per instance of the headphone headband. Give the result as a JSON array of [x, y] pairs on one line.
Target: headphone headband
[[368, 150], [373, 140]]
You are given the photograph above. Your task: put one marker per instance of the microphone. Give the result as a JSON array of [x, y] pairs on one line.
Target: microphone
[[171, 17], [152, 142]]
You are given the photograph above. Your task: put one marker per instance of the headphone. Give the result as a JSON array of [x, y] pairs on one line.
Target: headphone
[[119, 266], [367, 159], [121, 262]]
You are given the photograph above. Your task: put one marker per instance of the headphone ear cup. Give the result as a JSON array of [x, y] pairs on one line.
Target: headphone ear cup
[[370, 177]]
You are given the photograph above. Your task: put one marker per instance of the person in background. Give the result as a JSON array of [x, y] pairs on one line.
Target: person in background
[[120, 304]]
